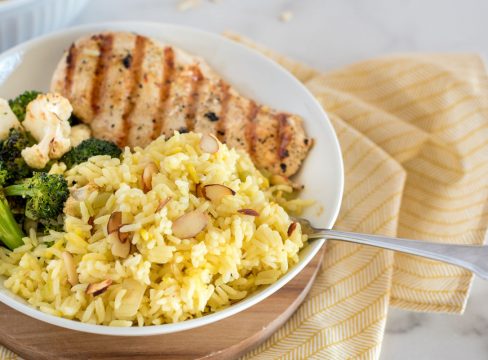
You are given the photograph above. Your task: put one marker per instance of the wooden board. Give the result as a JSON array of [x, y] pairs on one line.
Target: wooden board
[[226, 339]]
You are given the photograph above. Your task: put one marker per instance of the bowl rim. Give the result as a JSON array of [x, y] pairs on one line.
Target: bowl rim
[[240, 306]]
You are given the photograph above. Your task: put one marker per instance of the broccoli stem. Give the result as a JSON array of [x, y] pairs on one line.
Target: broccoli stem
[[17, 190], [10, 232]]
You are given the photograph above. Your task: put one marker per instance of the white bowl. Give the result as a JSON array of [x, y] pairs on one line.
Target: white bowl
[[30, 65], [21, 20]]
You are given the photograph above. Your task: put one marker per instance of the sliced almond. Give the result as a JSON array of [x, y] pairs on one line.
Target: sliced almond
[[215, 192], [91, 222], [163, 203], [150, 170], [209, 144], [249, 212], [199, 190], [189, 224], [123, 236], [120, 248], [291, 228], [98, 288], [277, 179], [69, 264], [114, 222]]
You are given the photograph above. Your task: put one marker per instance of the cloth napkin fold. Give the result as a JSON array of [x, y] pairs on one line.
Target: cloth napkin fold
[[414, 136]]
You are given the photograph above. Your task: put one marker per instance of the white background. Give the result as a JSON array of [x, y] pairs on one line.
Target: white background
[[331, 33]]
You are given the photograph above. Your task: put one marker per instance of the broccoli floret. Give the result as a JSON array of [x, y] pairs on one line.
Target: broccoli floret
[[10, 232], [45, 226], [3, 177], [11, 160], [87, 149], [19, 104], [45, 194]]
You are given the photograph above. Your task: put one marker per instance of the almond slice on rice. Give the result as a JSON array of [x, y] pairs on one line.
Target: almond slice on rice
[[199, 190], [277, 179], [215, 192], [98, 288], [163, 203], [190, 224], [120, 244], [114, 222], [250, 212], [209, 144], [150, 170], [291, 228], [70, 268]]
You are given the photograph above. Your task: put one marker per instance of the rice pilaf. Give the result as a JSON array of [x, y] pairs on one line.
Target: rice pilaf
[[161, 278]]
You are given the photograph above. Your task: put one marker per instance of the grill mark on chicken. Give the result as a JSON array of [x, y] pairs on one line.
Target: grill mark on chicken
[[169, 67], [70, 68], [196, 80], [105, 43], [251, 128], [284, 136], [224, 103], [135, 65]]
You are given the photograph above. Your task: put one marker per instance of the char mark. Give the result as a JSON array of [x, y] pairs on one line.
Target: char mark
[[70, 69], [168, 71], [284, 136], [105, 44], [135, 66], [224, 107], [251, 135], [196, 81]]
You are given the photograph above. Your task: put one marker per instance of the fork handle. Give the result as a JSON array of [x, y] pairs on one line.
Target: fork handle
[[473, 258]]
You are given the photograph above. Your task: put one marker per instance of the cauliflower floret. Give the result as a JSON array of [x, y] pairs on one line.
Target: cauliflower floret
[[47, 121], [37, 156], [8, 120], [79, 133]]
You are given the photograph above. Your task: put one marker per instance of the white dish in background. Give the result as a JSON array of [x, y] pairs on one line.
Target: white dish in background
[[21, 20], [30, 66]]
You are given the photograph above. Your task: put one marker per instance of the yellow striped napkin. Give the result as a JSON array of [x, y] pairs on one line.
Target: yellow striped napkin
[[414, 135]]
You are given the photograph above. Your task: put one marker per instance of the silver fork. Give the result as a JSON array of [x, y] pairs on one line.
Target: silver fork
[[471, 257]]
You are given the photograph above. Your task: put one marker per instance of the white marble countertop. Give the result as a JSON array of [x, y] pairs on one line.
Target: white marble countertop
[[328, 34]]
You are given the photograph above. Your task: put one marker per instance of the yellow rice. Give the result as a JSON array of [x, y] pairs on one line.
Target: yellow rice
[[165, 279]]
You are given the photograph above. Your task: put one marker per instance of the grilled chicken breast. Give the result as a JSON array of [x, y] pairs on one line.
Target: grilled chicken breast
[[131, 89]]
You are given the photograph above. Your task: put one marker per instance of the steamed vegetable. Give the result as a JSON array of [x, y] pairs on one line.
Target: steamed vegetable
[[10, 232], [46, 120], [11, 160], [45, 194], [87, 149]]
